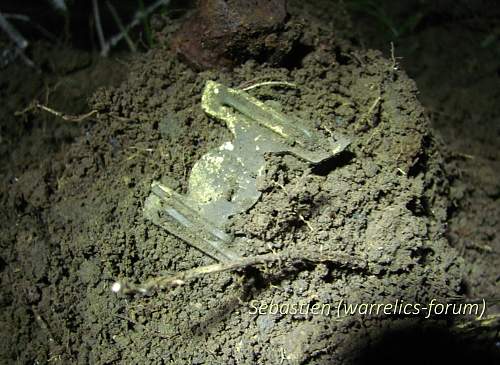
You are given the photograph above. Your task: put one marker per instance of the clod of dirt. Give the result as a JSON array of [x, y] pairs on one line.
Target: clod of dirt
[[226, 33]]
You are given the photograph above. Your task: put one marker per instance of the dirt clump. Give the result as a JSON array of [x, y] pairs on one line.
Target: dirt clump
[[227, 33]]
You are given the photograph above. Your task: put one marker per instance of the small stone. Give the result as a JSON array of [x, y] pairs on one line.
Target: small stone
[[224, 33]]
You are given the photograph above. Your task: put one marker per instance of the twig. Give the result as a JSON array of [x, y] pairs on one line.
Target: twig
[[66, 117], [394, 65], [19, 41], [27, 19], [119, 22], [373, 106], [138, 16], [370, 112], [355, 56], [309, 225], [178, 279], [22, 17], [98, 27], [270, 83], [13, 34]]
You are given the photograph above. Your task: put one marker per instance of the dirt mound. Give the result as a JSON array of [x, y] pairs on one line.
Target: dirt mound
[[384, 202]]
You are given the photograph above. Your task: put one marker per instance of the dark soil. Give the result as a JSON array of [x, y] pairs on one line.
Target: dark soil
[[457, 71], [416, 201]]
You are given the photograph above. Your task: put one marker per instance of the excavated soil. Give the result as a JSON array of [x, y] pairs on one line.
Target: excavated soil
[[72, 221]]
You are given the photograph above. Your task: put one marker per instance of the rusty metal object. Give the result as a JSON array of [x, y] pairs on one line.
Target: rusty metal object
[[224, 33]]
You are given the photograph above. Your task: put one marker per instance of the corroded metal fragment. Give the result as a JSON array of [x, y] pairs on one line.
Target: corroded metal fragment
[[223, 182]]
